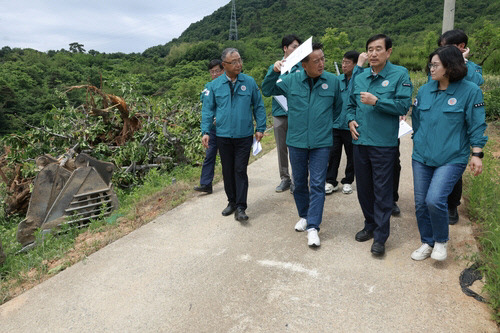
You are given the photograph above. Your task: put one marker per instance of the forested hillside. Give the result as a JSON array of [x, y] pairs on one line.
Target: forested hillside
[[33, 82], [402, 18]]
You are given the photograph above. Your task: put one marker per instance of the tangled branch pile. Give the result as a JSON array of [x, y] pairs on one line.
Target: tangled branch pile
[[135, 133]]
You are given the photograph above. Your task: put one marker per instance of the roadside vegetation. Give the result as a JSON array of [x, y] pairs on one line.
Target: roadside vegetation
[[482, 195]]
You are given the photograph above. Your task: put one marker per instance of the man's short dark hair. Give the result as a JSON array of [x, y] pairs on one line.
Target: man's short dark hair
[[215, 62], [315, 46], [453, 37], [387, 40], [289, 39], [452, 60], [352, 55]]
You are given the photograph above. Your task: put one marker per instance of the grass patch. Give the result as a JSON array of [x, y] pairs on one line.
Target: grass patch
[[160, 192], [482, 195]]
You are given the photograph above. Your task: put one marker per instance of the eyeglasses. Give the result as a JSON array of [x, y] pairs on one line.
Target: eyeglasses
[[235, 62], [215, 71], [431, 66]]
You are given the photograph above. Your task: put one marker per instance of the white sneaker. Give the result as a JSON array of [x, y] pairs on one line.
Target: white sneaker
[[301, 225], [329, 188], [439, 251], [347, 189], [423, 252], [312, 237]]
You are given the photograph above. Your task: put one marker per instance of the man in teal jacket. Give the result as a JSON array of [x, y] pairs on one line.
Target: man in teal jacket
[[313, 98], [280, 117], [234, 100], [208, 168], [459, 39], [352, 64], [380, 95]]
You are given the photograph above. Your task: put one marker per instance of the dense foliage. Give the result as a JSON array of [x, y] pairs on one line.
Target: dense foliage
[[407, 22], [168, 136]]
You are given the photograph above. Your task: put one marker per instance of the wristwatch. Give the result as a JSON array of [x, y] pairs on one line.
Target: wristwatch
[[480, 155]]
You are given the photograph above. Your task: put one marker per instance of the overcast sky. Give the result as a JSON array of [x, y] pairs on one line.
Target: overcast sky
[[102, 25]]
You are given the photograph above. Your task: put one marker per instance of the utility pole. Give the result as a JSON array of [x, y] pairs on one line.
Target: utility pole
[[233, 28], [448, 15]]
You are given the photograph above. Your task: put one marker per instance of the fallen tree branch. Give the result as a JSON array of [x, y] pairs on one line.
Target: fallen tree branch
[[68, 155], [133, 167], [43, 129]]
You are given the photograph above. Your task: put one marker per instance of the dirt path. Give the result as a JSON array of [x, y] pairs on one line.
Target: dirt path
[[193, 270]]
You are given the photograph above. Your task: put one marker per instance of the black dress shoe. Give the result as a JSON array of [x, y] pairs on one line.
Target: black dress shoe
[[364, 235], [240, 215], [228, 210], [378, 249], [395, 209], [204, 188], [453, 215], [284, 185]]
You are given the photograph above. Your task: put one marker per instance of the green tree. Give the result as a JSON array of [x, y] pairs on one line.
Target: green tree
[[486, 42], [76, 47], [335, 44]]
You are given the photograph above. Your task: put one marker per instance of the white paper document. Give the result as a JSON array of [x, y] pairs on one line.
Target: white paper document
[[282, 102], [300, 53], [404, 128], [256, 147]]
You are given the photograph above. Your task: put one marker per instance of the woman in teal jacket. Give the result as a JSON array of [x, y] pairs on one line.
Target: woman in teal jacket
[[448, 118]]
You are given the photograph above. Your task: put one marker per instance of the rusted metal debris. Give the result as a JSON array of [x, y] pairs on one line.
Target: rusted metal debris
[[64, 196]]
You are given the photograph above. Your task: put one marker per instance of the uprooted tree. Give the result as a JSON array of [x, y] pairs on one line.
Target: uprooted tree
[[134, 133]]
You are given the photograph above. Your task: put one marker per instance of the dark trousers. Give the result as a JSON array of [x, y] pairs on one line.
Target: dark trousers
[[340, 138], [455, 195], [397, 174], [234, 155], [374, 180], [208, 168], [280, 125]]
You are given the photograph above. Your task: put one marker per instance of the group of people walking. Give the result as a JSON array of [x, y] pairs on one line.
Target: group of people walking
[[360, 110]]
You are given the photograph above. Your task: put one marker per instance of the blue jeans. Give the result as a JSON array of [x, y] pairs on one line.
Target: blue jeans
[[309, 195], [432, 186], [208, 168]]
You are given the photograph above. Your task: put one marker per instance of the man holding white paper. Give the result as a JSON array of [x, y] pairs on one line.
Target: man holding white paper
[[280, 116], [313, 97]]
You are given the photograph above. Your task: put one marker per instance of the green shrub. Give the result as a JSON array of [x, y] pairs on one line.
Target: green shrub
[[492, 104], [483, 194]]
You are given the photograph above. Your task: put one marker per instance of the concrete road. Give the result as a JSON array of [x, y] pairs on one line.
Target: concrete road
[[193, 270]]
